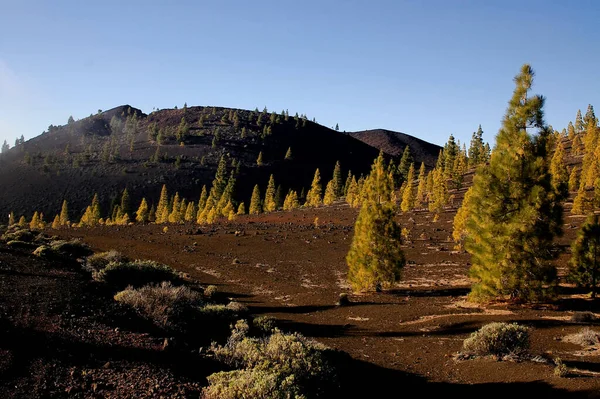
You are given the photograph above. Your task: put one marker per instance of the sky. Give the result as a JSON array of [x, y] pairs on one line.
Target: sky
[[425, 68]]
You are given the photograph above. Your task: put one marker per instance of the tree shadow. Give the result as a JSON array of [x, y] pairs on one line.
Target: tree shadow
[[435, 292]]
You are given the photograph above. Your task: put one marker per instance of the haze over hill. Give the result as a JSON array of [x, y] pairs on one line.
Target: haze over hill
[[126, 148]]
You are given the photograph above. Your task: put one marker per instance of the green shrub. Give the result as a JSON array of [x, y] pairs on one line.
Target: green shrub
[[277, 366], [73, 248], [44, 251], [165, 305], [265, 324], [498, 339], [210, 291], [99, 261], [18, 235], [251, 384], [561, 370], [137, 274]]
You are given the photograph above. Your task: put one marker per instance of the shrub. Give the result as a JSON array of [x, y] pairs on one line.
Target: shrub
[[343, 300], [210, 291], [498, 339], [561, 370], [19, 235], [44, 251], [585, 337], [165, 305], [137, 274], [277, 366], [99, 261], [236, 307], [264, 324], [583, 317], [20, 244], [251, 384], [73, 248]]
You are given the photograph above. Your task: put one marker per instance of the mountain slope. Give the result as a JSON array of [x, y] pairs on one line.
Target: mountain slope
[[393, 143], [112, 150]]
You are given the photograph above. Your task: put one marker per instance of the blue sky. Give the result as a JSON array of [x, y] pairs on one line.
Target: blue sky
[[426, 68]]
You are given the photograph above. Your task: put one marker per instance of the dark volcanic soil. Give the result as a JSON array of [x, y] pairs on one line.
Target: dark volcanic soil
[[282, 265]]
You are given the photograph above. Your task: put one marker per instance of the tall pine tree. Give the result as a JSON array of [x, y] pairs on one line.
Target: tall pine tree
[[516, 213]]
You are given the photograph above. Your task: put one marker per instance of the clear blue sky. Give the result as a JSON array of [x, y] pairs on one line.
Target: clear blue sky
[[427, 68]]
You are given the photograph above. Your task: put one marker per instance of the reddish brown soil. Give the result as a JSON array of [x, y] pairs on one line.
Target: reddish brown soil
[[282, 265]]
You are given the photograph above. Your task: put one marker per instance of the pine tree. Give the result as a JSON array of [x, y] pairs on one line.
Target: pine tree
[[141, 215], [422, 185], [314, 195], [515, 213], [579, 128], [190, 212], [582, 203], [329, 197], [408, 196], [459, 231], [64, 214], [259, 160], [558, 170], [270, 205], [375, 259], [162, 209], [476, 149], [439, 195], [152, 214], [96, 214], [203, 198], [227, 195], [35, 221], [11, 219], [573, 181], [288, 154], [585, 259], [347, 184], [450, 154], [56, 222], [175, 215], [255, 205], [125, 203], [404, 165], [337, 180], [291, 201], [241, 209]]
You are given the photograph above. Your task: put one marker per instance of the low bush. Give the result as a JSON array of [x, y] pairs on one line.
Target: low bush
[[99, 261], [136, 274], [276, 366], [264, 324], [19, 235], [560, 369], [498, 339], [585, 337], [210, 291], [583, 317], [73, 248], [44, 251], [21, 244], [165, 305]]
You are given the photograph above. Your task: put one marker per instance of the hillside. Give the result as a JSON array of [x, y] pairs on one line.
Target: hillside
[[393, 144], [124, 147]]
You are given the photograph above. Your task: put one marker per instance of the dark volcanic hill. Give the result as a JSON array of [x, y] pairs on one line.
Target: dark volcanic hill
[[393, 143], [123, 147]]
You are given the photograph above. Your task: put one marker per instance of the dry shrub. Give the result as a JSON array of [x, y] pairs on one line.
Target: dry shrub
[[99, 261], [250, 384], [498, 339], [585, 337], [583, 317], [165, 305], [264, 324], [210, 291], [137, 274], [19, 235]]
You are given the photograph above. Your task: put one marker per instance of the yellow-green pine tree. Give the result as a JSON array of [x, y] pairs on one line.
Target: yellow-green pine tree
[[291, 201], [329, 196], [270, 204], [259, 160], [408, 196], [255, 205], [241, 209], [422, 185], [190, 212], [142, 213], [288, 154], [459, 230], [35, 221], [22, 222], [11, 219], [175, 215], [162, 209], [375, 259], [582, 203], [314, 195], [56, 222], [573, 181], [96, 214], [64, 214]]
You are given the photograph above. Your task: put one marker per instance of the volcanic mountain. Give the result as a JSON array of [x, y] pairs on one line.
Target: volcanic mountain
[[394, 143], [126, 148]]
